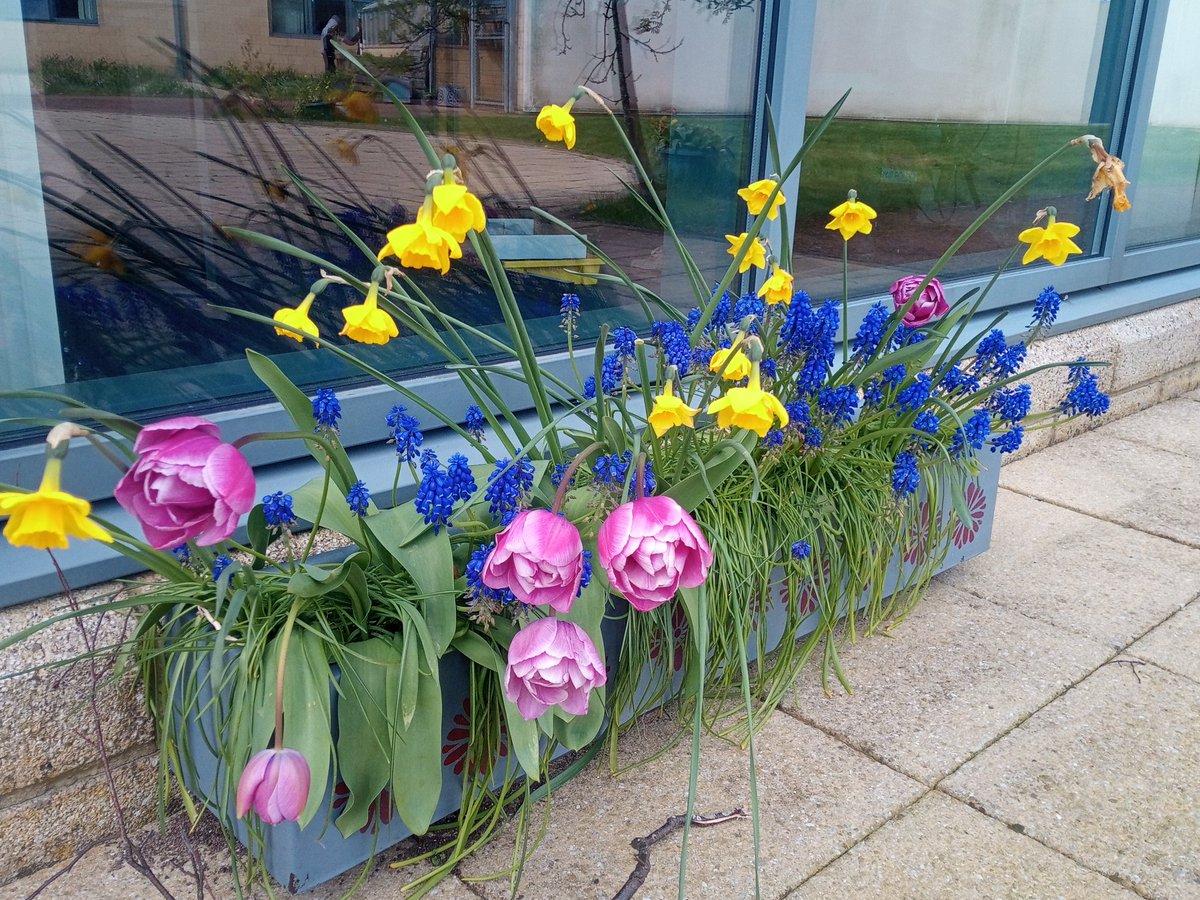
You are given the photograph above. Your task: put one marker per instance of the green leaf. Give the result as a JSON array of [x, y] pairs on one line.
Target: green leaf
[[306, 713], [336, 516], [410, 671], [524, 738], [364, 725], [299, 408], [724, 461], [416, 752], [397, 526], [258, 533], [429, 561], [315, 581], [479, 651]]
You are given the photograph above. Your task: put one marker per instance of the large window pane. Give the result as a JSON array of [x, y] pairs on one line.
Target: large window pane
[[1168, 179], [950, 104], [148, 148]]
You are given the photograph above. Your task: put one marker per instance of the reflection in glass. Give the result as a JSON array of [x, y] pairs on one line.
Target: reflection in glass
[[1167, 203], [951, 103], [166, 123]]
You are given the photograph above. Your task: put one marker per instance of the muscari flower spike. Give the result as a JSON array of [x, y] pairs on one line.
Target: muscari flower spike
[[277, 510], [326, 409]]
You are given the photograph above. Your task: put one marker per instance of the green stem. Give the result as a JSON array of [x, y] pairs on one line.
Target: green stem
[[312, 534], [280, 668], [845, 301], [563, 485]]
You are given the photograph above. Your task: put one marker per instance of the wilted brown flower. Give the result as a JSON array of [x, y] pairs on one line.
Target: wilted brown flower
[[100, 251], [359, 107], [1110, 173]]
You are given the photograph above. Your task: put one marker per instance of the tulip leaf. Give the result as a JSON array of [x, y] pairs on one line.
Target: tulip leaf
[[397, 526], [724, 461], [364, 718], [409, 677], [259, 534], [336, 515], [587, 612], [479, 651], [306, 712], [416, 751], [299, 408], [429, 561], [524, 738]]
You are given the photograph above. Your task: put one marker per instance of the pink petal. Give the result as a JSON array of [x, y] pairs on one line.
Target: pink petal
[[252, 777]]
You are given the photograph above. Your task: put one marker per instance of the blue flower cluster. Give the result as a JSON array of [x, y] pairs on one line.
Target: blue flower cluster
[[475, 422], [995, 358], [612, 470], [612, 370], [182, 553], [624, 340], [406, 433], [1084, 397], [462, 481], [773, 439], [586, 577], [905, 336], [893, 375], [569, 311], [559, 472], [811, 333], [927, 421], [326, 409], [905, 476], [870, 332], [915, 395], [1010, 440], [1045, 308], [749, 306], [799, 415], [840, 403], [220, 564], [474, 574], [768, 368], [507, 487], [674, 344], [955, 382], [873, 394], [801, 550], [435, 496], [1012, 404], [974, 433], [277, 510], [358, 498], [813, 436]]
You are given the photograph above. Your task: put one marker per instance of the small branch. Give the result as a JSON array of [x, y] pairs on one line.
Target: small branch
[[641, 870], [1132, 663]]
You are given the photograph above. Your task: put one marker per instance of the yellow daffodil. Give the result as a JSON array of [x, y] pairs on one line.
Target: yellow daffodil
[[297, 318], [756, 195], [778, 288], [45, 518], [738, 367], [359, 107], [422, 245], [367, 323], [457, 211], [670, 411], [749, 407], [851, 218], [756, 255], [557, 123], [1052, 243]]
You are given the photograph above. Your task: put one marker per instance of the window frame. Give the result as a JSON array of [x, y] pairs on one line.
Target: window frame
[[1113, 282]]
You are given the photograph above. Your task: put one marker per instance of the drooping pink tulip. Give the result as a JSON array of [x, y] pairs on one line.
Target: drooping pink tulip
[[552, 663], [275, 784], [539, 557], [929, 306], [650, 548], [186, 484]]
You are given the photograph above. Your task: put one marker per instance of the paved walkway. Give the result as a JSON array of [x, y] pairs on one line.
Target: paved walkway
[[1032, 729]]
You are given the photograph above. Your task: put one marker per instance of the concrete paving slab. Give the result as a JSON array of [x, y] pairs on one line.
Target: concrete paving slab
[[1107, 775], [1174, 645], [1153, 490], [956, 674], [1039, 562], [818, 797], [1193, 395], [942, 848], [1174, 426]]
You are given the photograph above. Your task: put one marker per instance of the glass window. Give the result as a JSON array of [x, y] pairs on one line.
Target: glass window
[[148, 149], [77, 11], [950, 104], [1167, 206]]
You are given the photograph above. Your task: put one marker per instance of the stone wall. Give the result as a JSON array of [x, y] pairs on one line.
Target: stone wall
[[54, 791]]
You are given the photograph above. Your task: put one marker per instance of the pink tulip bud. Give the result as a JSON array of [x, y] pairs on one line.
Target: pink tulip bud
[[929, 306], [650, 548], [275, 783], [552, 663], [186, 484], [539, 557]]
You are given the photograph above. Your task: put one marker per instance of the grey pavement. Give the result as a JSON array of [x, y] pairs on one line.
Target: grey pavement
[[1031, 730]]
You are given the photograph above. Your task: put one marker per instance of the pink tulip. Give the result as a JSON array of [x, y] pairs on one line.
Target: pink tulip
[[186, 484], [275, 783], [929, 306], [539, 557], [651, 547], [552, 663]]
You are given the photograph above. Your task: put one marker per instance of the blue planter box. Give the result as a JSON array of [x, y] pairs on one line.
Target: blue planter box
[[301, 859]]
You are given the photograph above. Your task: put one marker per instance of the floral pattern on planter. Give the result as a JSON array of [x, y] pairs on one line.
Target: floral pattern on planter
[[916, 546], [378, 813], [977, 504], [454, 751]]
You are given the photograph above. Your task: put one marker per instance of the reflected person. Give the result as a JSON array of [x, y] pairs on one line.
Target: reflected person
[[333, 32]]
